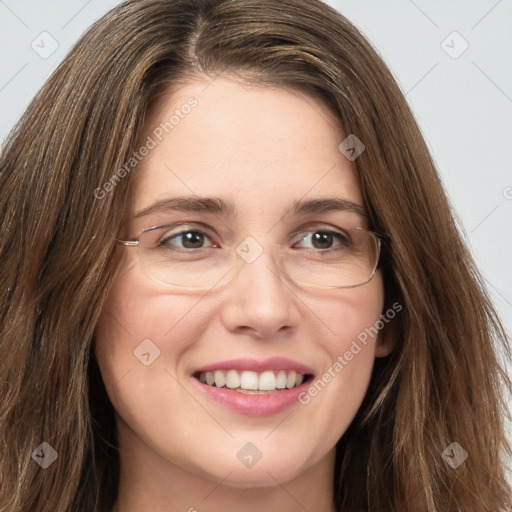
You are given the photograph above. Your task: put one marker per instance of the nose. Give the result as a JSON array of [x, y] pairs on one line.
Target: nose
[[259, 301]]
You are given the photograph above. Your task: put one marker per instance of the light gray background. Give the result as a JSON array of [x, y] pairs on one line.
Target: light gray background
[[462, 100]]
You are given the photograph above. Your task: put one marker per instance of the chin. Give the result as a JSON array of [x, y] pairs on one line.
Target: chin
[[249, 478], [264, 473]]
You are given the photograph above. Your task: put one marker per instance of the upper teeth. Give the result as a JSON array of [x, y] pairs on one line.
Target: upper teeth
[[266, 381]]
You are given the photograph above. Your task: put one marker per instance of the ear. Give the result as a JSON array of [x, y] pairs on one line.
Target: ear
[[386, 339]]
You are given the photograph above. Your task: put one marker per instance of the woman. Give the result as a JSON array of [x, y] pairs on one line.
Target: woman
[[232, 280]]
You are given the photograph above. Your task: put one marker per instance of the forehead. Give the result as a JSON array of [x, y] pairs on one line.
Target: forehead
[[263, 147]]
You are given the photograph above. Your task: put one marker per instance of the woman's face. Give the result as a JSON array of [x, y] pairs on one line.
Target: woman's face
[[260, 149]]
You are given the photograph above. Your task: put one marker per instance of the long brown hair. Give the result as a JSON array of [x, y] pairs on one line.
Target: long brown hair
[[442, 383]]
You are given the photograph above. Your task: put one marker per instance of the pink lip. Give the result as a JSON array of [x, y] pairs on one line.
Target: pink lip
[[255, 365], [255, 405]]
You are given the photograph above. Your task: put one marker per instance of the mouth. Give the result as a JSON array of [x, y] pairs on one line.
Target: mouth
[[253, 383], [253, 387]]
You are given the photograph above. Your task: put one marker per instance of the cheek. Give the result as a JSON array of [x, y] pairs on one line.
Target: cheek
[[352, 318], [140, 332], [141, 342]]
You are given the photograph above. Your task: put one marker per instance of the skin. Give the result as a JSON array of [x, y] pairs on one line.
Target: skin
[[262, 148]]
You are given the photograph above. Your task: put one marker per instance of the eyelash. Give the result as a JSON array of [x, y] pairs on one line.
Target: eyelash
[[343, 239]]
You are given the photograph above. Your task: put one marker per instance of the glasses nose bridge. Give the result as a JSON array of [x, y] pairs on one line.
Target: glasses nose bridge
[[250, 251]]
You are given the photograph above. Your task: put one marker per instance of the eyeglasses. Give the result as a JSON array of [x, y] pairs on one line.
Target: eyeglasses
[[343, 258]]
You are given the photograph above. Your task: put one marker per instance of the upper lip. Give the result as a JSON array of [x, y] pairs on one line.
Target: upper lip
[[257, 365]]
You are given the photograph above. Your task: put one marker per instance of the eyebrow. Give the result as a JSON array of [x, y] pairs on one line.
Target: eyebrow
[[218, 206]]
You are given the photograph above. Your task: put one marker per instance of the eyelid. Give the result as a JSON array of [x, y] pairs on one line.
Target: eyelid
[[172, 225], [179, 228], [189, 226], [320, 226], [338, 235]]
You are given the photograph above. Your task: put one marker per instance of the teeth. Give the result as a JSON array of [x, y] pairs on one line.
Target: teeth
[[290, 380], [267, 381], [251, 382], [232, 379], [281, 380], [252, 392], [220, 380]]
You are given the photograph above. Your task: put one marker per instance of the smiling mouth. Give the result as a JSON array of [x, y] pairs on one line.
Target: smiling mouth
[[254, 383]]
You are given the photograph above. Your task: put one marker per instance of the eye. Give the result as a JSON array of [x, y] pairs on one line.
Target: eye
[[324, 239], [187, 239]]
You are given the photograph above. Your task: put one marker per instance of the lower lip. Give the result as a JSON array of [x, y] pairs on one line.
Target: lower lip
[[254, 405]]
